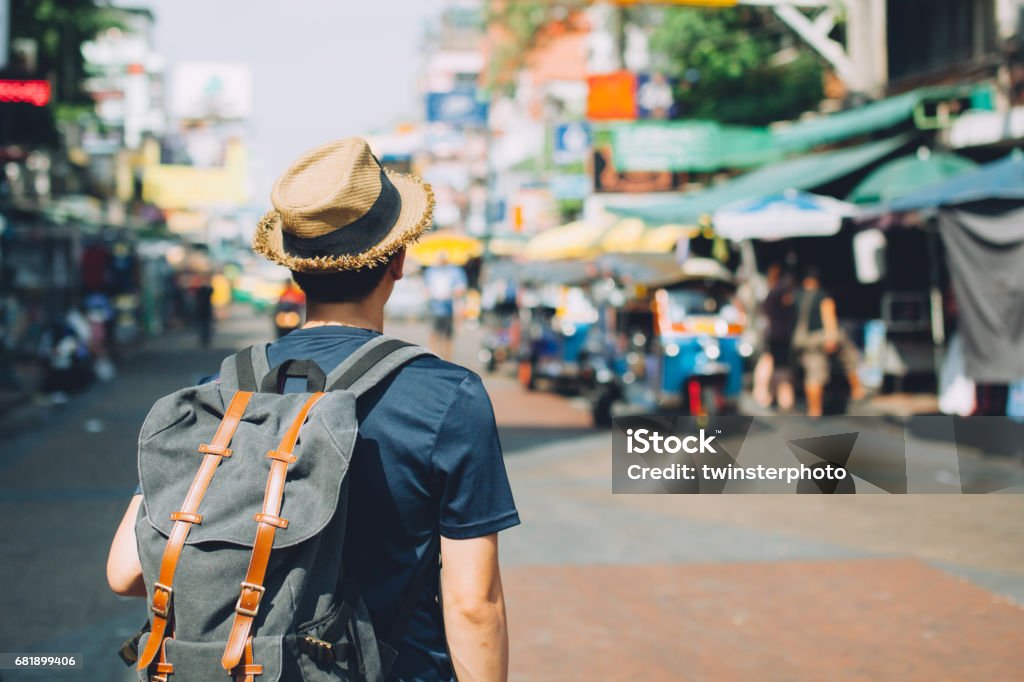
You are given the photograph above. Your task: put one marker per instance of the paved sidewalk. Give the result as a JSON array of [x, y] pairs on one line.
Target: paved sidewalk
[[600, 586]]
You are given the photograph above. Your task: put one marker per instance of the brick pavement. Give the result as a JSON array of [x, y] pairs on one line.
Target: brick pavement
[[862, 619], [600, 587]]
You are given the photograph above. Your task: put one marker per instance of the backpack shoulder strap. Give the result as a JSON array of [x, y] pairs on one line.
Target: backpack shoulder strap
[[373, 362], [244, 371]]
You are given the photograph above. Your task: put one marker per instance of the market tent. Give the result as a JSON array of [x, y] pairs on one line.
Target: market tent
[[663, 239], [904, 176], [622, 237], [981, 223], [984, 242], [1003, 179], [506, 245], [659, 269], [458, 248], [579, 239], [803, 173]]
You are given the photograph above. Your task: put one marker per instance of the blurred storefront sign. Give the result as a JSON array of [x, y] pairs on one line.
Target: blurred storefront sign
[[978, 128], [34, 92], [179, 186], [572, 142], [570, 186], [443, 142], [612, 97], [677, 146], [654, 98], [217, 90], [457, 108]]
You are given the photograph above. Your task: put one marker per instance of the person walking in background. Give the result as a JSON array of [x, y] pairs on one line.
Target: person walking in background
[[446, 283], [204, 310], [816, 337], [773, 375]]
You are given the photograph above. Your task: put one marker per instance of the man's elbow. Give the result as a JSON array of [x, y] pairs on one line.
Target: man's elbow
[[477, 610], [125, 582]]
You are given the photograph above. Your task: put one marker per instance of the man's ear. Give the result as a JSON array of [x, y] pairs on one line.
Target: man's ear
[[397, 265]]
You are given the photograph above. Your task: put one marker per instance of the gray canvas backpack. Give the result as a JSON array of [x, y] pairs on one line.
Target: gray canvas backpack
[[242, 525]]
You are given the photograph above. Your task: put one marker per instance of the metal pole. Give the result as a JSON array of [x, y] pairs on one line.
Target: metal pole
[[938, 318]]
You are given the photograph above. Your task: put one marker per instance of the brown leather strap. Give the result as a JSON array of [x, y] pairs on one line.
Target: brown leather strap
[[268, 521], [163, 668], [183, 520], [247, 671]]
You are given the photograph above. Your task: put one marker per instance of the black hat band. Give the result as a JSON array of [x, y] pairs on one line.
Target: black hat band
[[358, 236]]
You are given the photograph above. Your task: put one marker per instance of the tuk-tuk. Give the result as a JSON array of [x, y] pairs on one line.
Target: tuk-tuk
[[556, 318], [675, 338]]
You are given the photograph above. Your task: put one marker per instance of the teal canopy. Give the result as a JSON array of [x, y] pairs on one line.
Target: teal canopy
[[903, 176], [869, 118], [803, 173], [1000, 180]]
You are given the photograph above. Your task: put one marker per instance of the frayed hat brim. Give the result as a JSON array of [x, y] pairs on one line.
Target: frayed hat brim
[[415, 218]]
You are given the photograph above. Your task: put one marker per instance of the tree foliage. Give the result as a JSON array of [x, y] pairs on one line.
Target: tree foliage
[[730, 68]]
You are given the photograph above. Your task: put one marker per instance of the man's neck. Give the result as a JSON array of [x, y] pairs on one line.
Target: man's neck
[[364, 314]]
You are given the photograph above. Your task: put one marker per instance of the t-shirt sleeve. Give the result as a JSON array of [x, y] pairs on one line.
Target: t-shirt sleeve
[[476, 498]]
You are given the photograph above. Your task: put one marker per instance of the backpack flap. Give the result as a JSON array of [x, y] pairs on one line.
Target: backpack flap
[[198, 661], [169, 458]]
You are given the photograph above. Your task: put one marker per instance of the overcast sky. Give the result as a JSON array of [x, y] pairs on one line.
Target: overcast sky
[[321, 69]]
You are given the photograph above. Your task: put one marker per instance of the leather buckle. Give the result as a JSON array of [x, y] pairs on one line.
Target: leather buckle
[[158, 589], [259, 590], [285, 457], [210, 449]]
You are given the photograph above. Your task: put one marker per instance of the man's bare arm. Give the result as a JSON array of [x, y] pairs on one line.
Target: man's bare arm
[[474, 609], [124, 572]]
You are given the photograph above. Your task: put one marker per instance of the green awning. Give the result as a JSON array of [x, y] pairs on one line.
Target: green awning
[[691, 146], [804, 173], [905, 175], [869, 118]]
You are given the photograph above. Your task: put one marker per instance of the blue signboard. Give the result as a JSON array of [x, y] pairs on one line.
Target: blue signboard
[[457, 108], [566, 186], [572, 142]]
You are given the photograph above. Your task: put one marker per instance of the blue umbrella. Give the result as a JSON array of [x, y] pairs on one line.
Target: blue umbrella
[[780, 216]]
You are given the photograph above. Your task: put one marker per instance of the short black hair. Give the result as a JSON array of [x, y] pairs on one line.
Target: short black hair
[[345, 286]]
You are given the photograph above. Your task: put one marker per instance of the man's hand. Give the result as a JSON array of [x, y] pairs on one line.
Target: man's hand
[[124, 571], [474, 609]]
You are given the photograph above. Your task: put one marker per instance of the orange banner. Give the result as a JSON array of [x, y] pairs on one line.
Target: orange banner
[[612, 97]]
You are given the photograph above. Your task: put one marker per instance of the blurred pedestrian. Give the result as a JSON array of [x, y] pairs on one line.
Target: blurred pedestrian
[[446, 283], [816, 338], [204, 310], [773, 374]]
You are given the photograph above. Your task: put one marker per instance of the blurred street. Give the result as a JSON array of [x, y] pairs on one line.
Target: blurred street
[[598, 586], [773, 214]]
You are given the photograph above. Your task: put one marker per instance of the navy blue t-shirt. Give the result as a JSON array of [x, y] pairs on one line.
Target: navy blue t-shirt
[[427, 460]]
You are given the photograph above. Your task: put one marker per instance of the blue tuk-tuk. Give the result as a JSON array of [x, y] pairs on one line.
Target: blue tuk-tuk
[[674, 338], [557, 319]]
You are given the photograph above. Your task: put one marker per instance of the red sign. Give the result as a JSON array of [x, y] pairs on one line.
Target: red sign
[[612, 97], [30, 92]]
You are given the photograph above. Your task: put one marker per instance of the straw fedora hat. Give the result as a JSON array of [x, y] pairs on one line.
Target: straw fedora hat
[[336, 208]]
